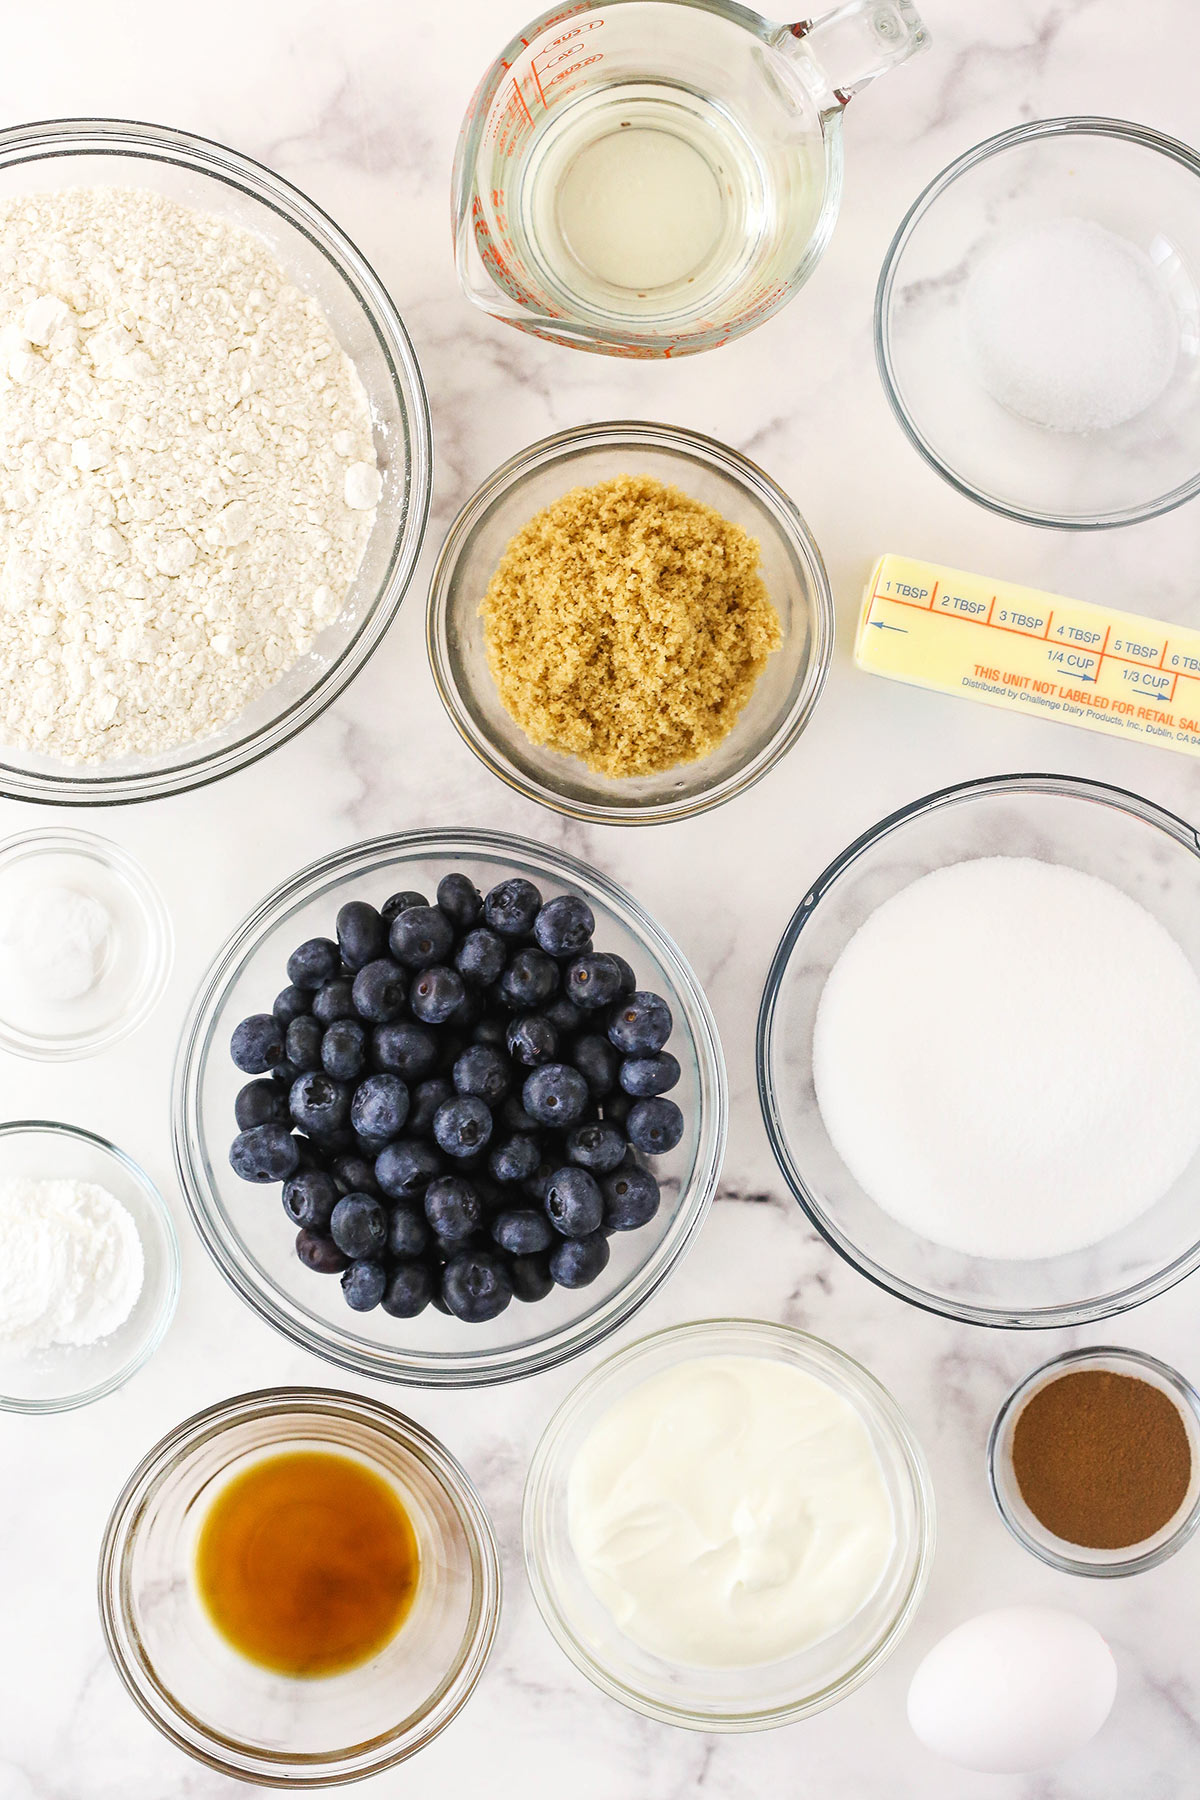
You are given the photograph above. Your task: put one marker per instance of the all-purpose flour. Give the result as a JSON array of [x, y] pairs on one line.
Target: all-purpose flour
[[187, 473], [1007, 1058], [71, 1263]]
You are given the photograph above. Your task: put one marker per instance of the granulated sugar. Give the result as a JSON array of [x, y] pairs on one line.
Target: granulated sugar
[[1070, 326], [1007, 1058]]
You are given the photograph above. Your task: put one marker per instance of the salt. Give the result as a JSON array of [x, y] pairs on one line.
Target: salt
[[1070, 326], [1007, 1058]]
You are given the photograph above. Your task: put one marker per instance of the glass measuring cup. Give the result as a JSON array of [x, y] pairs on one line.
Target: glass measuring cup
[[655, 177]]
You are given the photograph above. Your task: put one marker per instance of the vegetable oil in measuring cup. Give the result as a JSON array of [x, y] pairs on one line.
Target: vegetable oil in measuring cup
[[647, 201]]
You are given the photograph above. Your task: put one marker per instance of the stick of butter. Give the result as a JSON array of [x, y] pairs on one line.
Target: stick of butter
[[1036, 653]]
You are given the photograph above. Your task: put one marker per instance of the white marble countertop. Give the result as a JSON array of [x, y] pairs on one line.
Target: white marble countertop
[[358, 102]]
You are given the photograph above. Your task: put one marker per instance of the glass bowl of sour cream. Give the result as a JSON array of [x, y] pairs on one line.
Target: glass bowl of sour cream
[[728, 1525]]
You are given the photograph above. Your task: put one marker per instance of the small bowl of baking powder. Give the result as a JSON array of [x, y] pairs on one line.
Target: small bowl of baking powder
[[89, 1267]]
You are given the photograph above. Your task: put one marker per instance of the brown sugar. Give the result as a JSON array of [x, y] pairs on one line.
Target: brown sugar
[[627, 624], [1102, 1460]]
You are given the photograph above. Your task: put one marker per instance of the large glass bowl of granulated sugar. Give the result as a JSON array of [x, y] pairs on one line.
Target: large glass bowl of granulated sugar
[[196, 608], [979, 1051], [1036, 323]]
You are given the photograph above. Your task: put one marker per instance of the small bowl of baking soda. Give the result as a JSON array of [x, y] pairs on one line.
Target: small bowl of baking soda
[[85, 945], [89, 1267]]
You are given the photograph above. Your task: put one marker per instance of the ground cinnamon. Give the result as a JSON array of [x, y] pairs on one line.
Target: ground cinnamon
[[1102, 1460]]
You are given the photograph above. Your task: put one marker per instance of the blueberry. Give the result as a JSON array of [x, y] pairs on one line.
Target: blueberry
[[522, 1231], [597, 1062], [359, 1225], [640, 1024], [405, 1169], [476, 1286], [555, 1095], [512, 907], [532, 1041], [284, 1072], [538, 1184], [530, 980], [481, 957], [258, 1044], [425, 1099], [453, 1208], [334, 1001], [531, 1277], [361, 934], [344, 1050], [574, 1203], [264, 1153], [353, 1173], [580, 1260], [309, 1199], [318, 1104], [599, 1147], [484, 1072], [645, 1075], [628, 978], [564, 926], [515, 1160], [303, 1043], [654, 1126], [593, 982], [516, 1119], [290, 1004], [463, 1125], [470, 1010], [260, 1103], [617, 1108], [631, 1198], [364, 1284], [408, 1234], [421, 937], [313, 963], [409, 1290], [491, 1029], [405, 1048], [399, 903], [380, 990], [319, 1253], [460, 900], [435, 994], [379, 1108], [565, 1017]]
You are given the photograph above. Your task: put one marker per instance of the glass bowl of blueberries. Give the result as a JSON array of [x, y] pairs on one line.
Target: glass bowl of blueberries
[[448, 1108]]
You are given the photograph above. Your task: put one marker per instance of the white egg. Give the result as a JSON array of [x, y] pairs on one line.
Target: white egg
[[1012, 1691]]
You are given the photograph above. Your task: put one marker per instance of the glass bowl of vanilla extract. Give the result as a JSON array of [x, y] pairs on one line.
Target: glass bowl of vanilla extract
[[299, 1587]]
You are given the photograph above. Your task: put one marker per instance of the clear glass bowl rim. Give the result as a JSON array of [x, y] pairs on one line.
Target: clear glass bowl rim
[[128, 1509], [1082, 125], [639, 434], [1043, 1318], [48, 138], [140, 881], [1062, 1560], [489, 1366], [715, 1332], [171, 1276]]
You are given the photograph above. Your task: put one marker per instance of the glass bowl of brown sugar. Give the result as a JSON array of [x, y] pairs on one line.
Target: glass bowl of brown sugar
[[1094, 1462]]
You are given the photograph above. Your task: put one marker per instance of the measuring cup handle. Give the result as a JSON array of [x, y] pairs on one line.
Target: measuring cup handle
[[858, 41]]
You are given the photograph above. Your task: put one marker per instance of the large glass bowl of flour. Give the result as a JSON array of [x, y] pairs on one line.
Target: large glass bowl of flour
[[979, 1051], [323, 265]]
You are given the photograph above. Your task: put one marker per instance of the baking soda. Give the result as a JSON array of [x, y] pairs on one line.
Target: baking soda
[[1007, 1058], [1070, 326]]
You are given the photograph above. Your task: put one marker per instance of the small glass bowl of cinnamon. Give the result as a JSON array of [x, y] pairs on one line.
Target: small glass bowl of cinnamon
[[1094, 1462]]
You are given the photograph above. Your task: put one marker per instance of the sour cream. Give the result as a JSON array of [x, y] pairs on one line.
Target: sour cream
[[730, 1512]]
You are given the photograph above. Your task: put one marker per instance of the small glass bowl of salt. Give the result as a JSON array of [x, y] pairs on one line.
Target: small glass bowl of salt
[[1037, 323], [85, 944], [89, 1267]]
